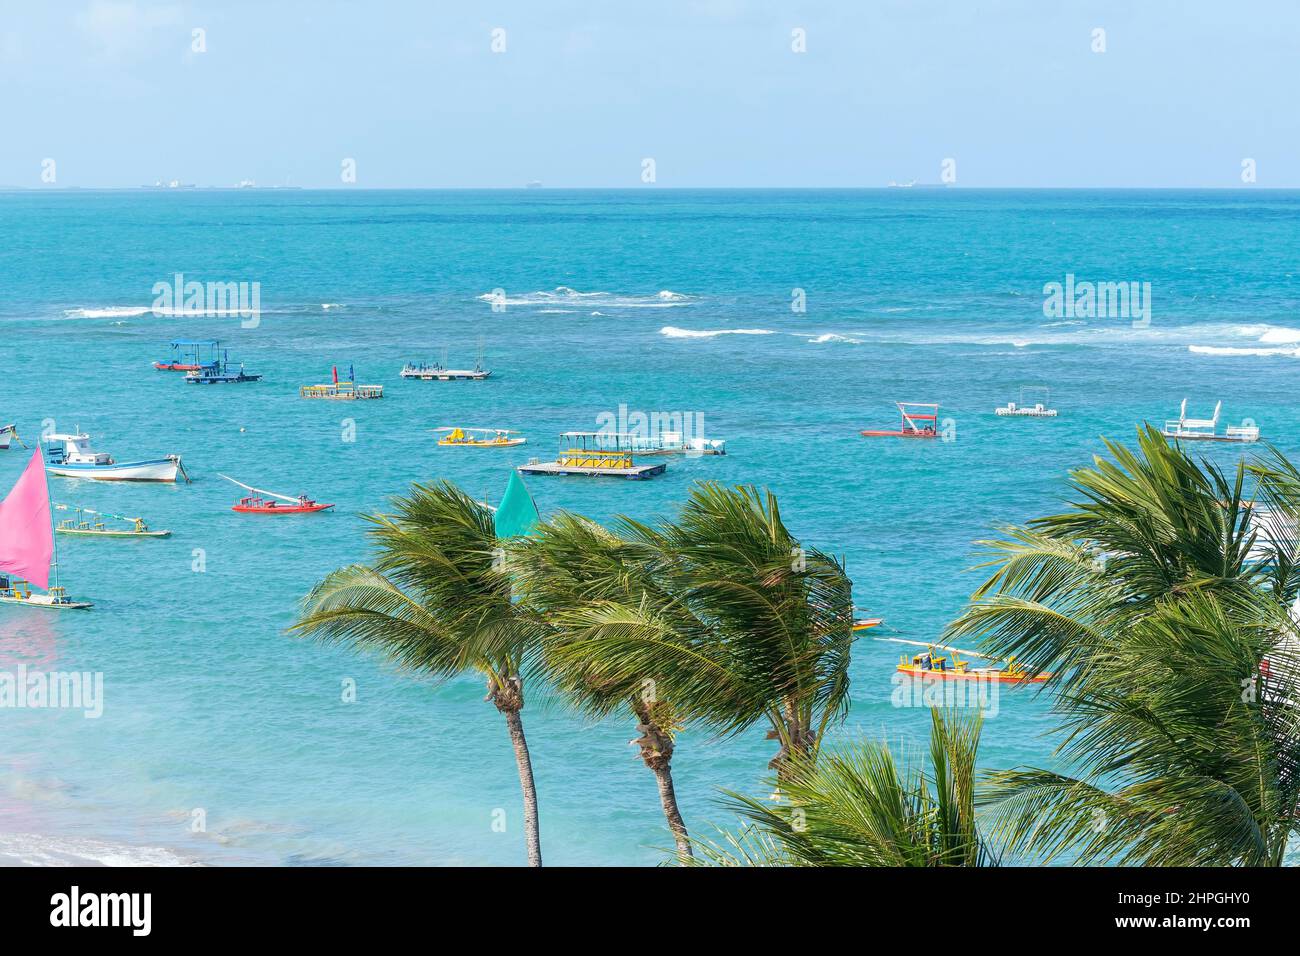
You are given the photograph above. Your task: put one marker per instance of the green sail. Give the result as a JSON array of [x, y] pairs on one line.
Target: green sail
[[517, 516]]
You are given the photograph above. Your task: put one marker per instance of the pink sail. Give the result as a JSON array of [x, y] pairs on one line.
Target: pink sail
[[26, 537]]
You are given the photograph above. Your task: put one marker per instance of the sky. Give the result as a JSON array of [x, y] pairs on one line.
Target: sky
[[580, 93]]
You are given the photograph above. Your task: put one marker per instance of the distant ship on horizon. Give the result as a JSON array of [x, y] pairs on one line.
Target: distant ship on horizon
[[535, 184]]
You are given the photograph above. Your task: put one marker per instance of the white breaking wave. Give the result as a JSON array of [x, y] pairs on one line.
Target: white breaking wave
[[135, 311], [563, 295], [30, 849], [833, 337], [675, 333], [1264, 335], [110, 312], [1229, 350]]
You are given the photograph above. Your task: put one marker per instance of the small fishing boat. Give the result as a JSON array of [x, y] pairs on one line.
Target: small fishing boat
[[187, 355], [918, 420], [595, 454], [866, 623], [1183, 428], [70, 456], [479, 437], [1035, 402], [346, 391], [97, 529], [9, 433], [257, 504], [28, 553], [218, 372], [937, 667]]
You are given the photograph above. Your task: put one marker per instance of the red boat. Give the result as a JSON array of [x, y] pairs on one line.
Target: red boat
[[187, 355], [261, 506], [915, 424], [256, 504]]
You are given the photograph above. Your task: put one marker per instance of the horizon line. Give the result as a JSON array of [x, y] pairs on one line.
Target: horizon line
[[921, 187]]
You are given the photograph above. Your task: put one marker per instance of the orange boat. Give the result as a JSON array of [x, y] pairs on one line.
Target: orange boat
[[918, 420]]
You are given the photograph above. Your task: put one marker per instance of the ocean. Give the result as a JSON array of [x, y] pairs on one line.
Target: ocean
[[783, 321]]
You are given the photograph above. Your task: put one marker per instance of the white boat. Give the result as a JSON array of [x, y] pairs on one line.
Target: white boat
[[673, 443], [1206, 429], [436, 373], [8, 433], [1035, 402], [72, 457]]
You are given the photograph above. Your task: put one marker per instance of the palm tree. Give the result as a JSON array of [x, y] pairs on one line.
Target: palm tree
[[717, 619], [776, 617], [437, 600], [860, 807], [576, 572], [1159, 603]]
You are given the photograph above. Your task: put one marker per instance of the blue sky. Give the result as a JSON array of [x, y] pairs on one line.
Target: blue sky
[[711, 90]]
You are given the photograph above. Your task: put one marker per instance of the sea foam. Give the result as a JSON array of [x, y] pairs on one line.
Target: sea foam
[[675, 333]]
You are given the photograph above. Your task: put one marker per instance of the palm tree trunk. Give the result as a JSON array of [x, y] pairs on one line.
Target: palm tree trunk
[[668, 798], [508, 696], [525, 763], [657, 751]]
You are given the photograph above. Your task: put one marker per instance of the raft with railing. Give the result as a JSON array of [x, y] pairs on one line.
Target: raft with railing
[[346, 390], [596, 454]]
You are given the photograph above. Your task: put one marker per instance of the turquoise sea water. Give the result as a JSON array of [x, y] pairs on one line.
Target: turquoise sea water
[[663, 301]]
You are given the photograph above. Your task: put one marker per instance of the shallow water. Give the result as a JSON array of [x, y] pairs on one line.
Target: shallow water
[[611, 298]]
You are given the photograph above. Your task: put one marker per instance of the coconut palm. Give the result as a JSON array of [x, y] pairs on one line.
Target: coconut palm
[[776, 617], [862, 807], [717, 619], [437, 601], [575, 573], [1159, 603]]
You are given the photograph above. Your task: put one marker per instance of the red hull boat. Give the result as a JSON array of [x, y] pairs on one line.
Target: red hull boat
[[176, 367], [262, 502], [260, 506], [918, 420]]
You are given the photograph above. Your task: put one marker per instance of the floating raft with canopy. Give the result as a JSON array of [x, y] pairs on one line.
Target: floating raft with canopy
[[346, 391], [597, 455]]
